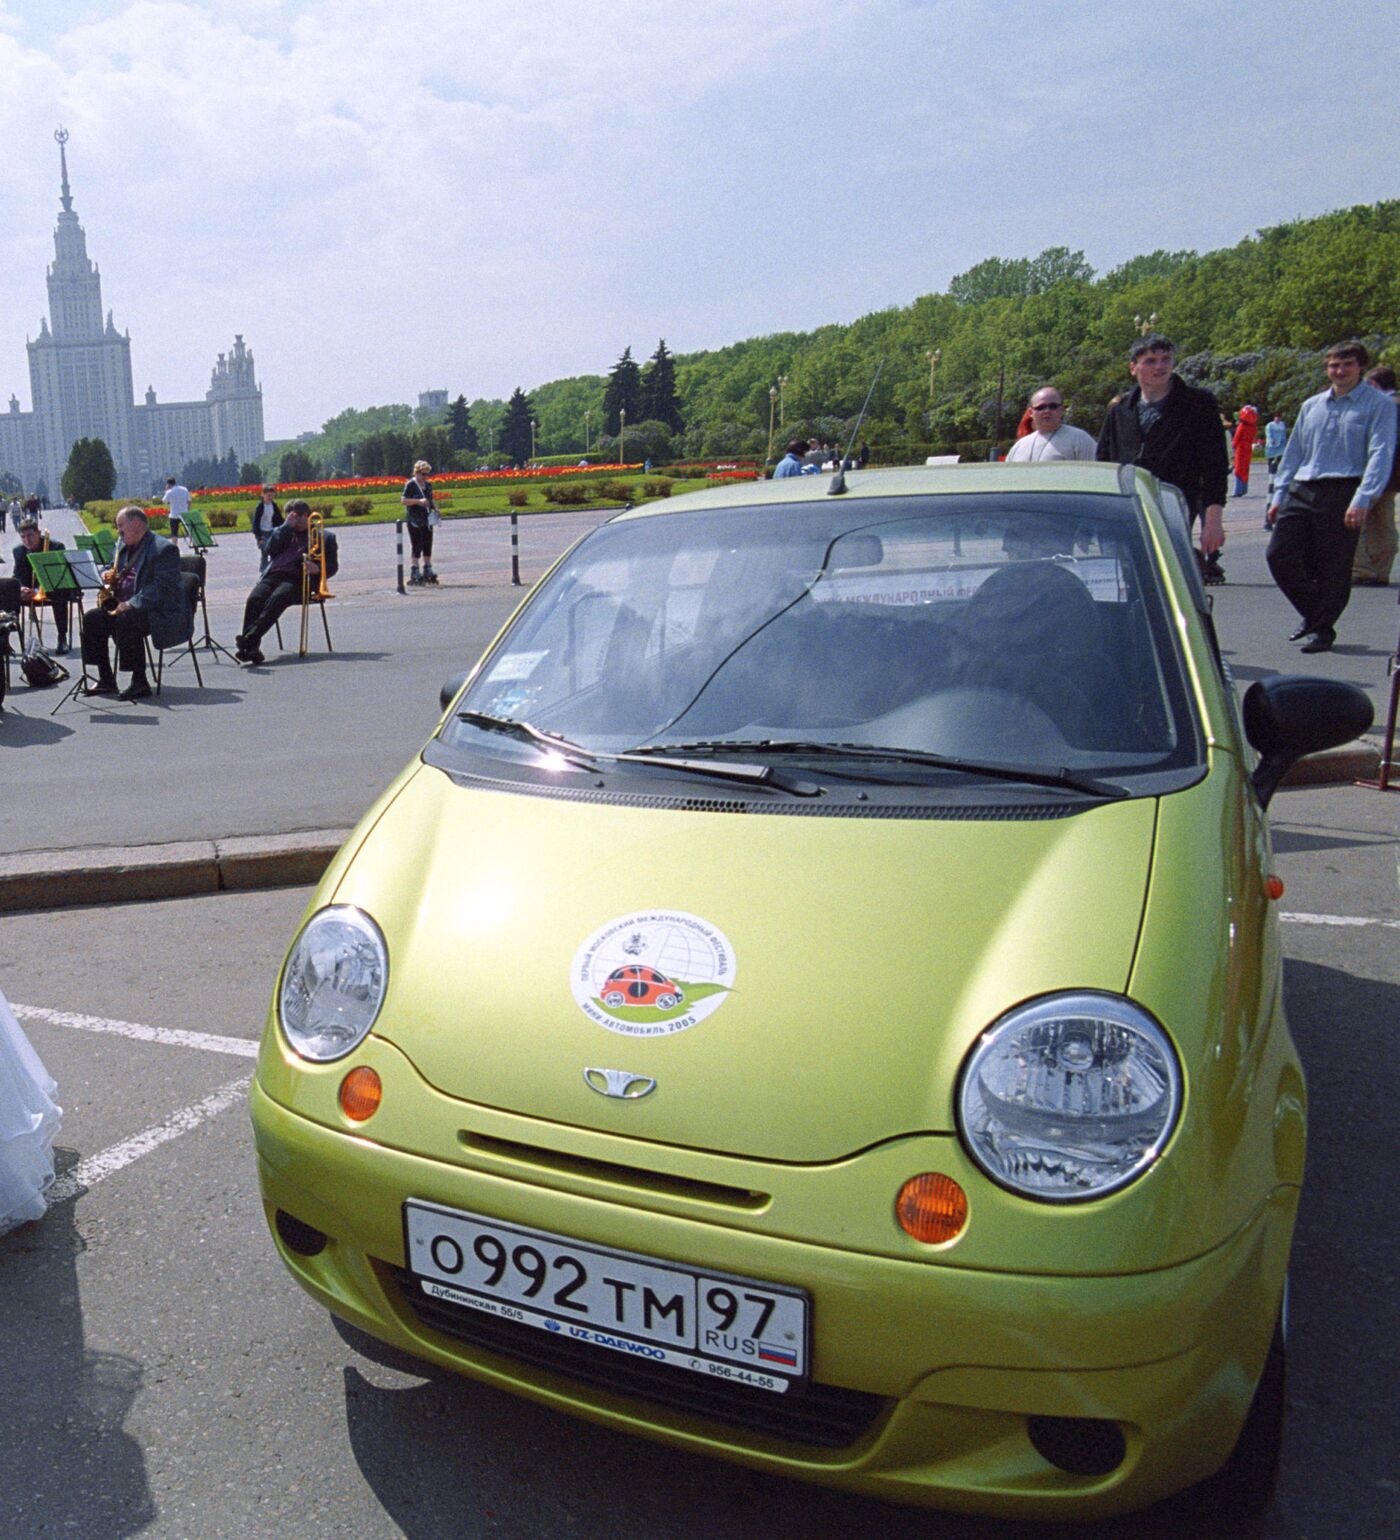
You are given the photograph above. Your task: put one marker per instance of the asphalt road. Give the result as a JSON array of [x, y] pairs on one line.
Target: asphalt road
[[161, 1375], [308, 743]]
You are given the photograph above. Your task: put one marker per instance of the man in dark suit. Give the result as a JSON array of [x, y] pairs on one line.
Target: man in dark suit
[[267, 516], [150, 602], [1173, 430], [21, 585]]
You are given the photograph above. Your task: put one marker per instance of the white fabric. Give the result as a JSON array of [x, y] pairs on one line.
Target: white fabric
[[177, 500], [1065, 443], [28, 1122]]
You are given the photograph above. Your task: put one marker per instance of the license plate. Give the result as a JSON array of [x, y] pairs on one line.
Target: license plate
[[735, 1329]]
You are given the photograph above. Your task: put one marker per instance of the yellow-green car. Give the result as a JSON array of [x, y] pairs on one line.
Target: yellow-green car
[[815, 1001]]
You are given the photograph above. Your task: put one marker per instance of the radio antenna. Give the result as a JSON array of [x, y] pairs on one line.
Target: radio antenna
[[838, 481]]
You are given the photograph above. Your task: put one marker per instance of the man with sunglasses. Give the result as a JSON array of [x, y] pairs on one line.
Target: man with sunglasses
[[1051, 437]]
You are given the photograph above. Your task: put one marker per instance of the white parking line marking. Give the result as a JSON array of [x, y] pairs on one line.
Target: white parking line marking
[[87, 1173], [1336, 919], [211, 1042]]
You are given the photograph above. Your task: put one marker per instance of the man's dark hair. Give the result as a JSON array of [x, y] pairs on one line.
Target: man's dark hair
[[1353, 347], [799, 446], [297, 505], [170, 481], [1154, 342], [1382, 377]]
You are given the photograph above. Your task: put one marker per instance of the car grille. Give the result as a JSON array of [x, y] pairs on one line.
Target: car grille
[[820, 1416]]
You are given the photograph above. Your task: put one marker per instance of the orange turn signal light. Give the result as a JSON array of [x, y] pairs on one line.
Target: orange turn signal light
[[932, 1208], [360, 1094]]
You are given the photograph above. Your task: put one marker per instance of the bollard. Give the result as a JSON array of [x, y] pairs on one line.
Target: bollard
[[398, 532], [515, 550]]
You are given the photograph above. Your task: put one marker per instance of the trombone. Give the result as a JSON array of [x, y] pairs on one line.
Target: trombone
[[315, 556]]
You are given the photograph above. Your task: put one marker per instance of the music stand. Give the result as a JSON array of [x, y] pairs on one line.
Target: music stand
[[51, 574], [201, 536], [83, 575], [103, 546], [202, 540]]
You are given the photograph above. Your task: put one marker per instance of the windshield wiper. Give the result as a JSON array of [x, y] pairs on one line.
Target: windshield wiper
[[657, 758], [585, 759], [574, 753], [1063, 777]]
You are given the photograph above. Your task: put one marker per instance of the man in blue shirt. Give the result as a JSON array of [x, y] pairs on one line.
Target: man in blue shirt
[[1336, 465], [791, 462]]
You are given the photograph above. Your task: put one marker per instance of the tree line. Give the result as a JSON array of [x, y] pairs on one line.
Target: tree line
[[1249, 322]]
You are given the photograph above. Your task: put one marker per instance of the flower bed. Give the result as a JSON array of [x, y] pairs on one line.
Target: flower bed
[[370, 484]]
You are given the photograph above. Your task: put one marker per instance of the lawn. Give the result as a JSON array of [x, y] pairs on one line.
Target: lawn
[[469, 502]]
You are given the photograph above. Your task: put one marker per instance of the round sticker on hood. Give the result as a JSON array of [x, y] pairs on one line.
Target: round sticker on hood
[[652, 974]]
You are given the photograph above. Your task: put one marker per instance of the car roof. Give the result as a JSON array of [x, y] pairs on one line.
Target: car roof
[[1082, 476]]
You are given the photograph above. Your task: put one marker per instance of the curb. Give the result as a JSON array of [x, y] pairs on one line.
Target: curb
[[1354, 762], [61, 879]]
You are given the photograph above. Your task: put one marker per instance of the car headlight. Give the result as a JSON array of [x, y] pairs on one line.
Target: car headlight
[[333, 983], [1070, 1097]]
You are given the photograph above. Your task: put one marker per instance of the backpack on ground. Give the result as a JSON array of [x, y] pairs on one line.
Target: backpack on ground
[[41, 668]]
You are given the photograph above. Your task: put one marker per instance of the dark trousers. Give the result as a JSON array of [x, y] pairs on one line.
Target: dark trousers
[[420, 541], [266, 601], [62, 604], [1311, 551], [130, 629]]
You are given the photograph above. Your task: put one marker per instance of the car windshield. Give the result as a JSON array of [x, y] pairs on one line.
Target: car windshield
[[1017, 629]]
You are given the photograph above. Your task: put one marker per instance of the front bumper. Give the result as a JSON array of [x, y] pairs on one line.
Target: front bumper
[[959, 1358]]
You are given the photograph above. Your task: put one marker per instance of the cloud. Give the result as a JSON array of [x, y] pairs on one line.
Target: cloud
[[477, 195]]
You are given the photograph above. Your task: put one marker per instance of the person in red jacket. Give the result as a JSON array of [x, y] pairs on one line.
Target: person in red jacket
[[1246, 430]]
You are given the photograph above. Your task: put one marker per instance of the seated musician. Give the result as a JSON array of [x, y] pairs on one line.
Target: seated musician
[[149, 602], [280, 585], [22, 586]]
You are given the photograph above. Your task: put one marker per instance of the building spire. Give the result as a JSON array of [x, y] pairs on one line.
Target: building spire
[[61, 135]]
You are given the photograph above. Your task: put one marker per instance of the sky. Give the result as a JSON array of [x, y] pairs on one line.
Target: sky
[[385, 199]]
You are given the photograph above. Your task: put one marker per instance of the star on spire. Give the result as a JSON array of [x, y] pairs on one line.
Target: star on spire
[[61, 136]]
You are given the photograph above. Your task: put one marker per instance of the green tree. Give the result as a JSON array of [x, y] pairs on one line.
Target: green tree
[[250, 473], [623, 393], [461, 431], [515, 433], [433, 445], [296, 465], [10, 484], [658, 403], [90, 476]]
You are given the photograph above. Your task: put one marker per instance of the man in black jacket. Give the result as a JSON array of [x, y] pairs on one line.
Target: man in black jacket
[[1173, 430]]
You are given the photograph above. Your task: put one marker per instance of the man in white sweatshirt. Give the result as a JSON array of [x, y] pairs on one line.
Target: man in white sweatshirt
[[1051, 438]]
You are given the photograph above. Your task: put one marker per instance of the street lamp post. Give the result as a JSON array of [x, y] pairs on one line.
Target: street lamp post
[[1145, 324], [534, 428], [772, 407], [621, 435], [586, 415], [782, 386], [933, 358]]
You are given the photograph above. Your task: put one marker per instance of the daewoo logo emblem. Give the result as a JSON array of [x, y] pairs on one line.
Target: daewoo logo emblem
[[619, 1083]]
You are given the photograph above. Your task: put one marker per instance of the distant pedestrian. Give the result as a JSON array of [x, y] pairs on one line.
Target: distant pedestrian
[[863, 455], [1335, 469], [419, 515], [791, 462], [176, 498], [1242, 441], [1051, 437], [266, 517], [1375, 550], [1173, 430], [1275, 437]]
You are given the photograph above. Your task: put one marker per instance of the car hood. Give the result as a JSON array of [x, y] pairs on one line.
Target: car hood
[[835, 970]]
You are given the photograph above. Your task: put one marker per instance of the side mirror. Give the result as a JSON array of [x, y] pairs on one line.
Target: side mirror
[[449, 690], [1290, 715]]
